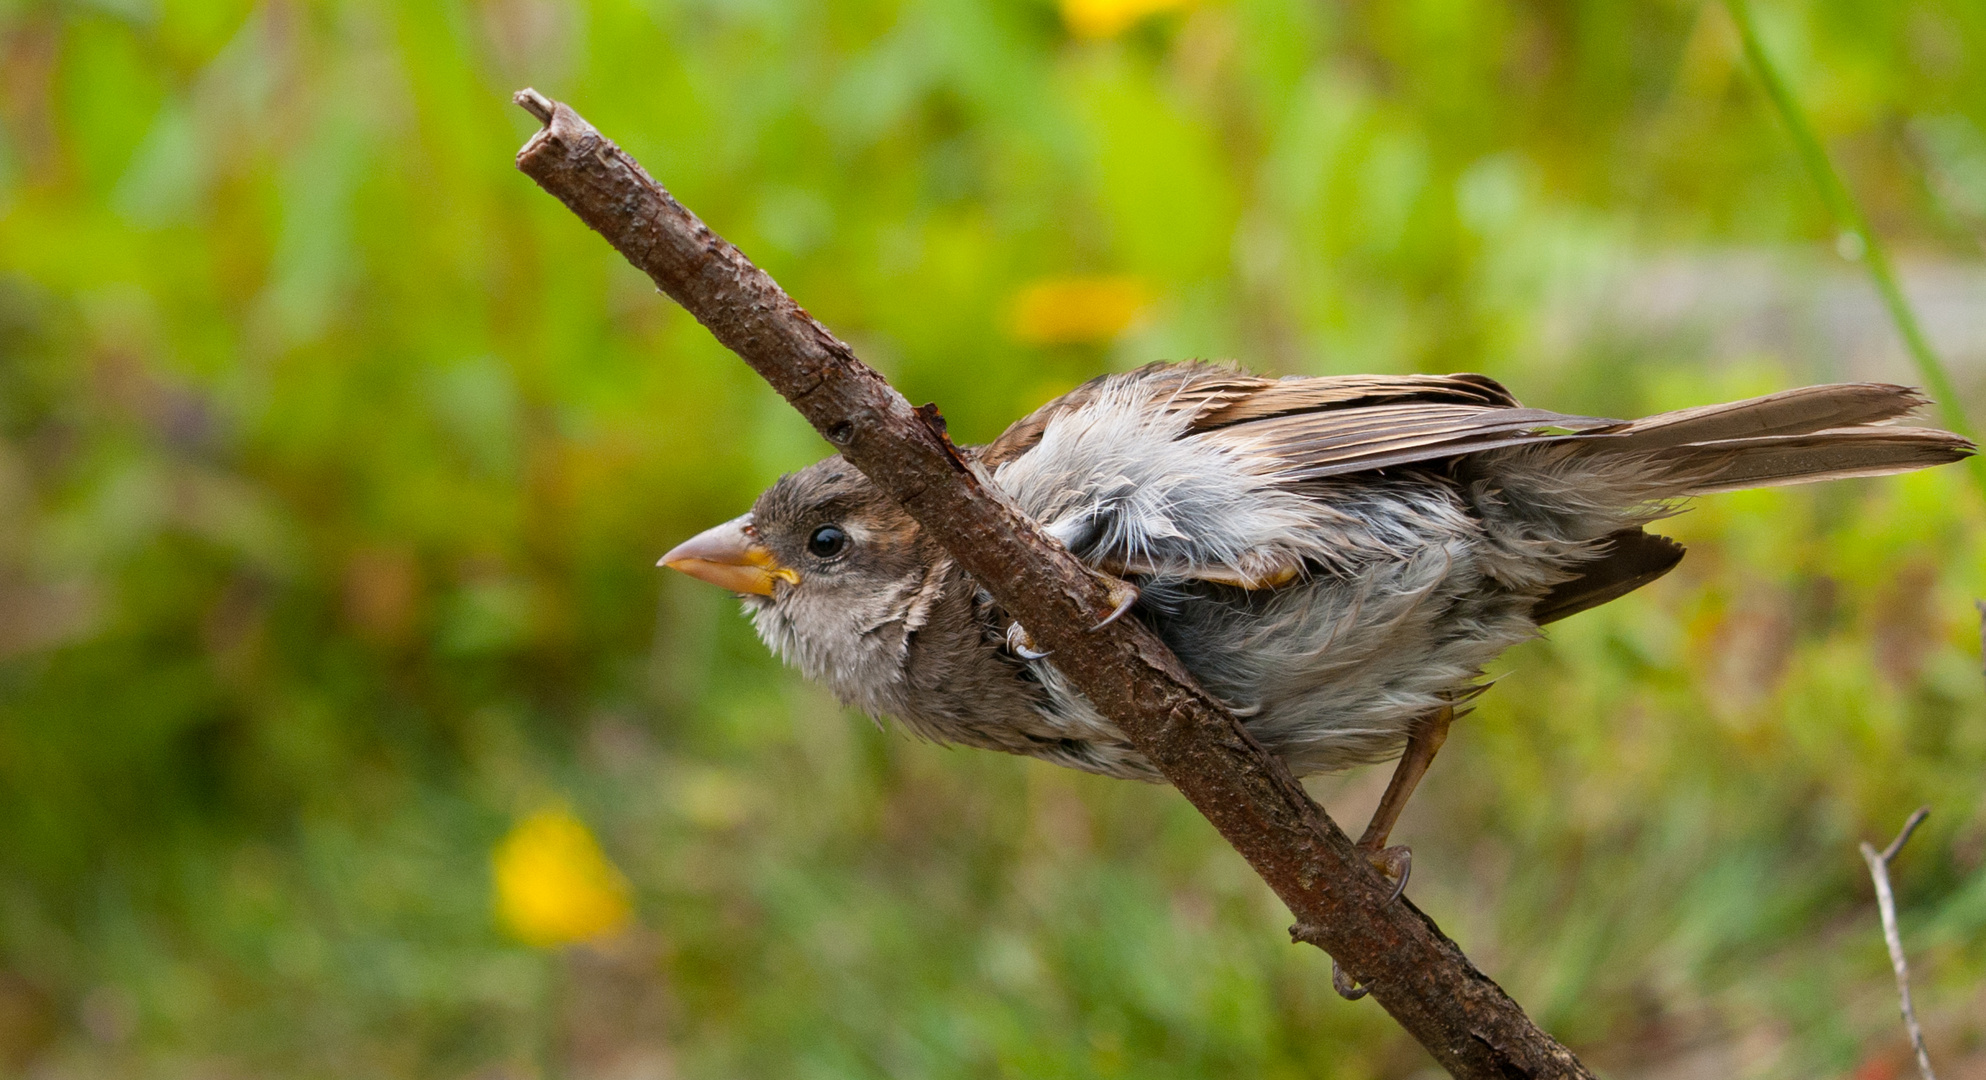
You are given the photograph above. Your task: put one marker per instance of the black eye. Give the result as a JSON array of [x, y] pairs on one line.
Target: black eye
[[827, 542]]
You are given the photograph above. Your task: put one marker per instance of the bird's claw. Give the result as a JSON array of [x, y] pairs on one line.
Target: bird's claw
[[1395, 864], [1123, 594], [1023, 645], [1346, 986]]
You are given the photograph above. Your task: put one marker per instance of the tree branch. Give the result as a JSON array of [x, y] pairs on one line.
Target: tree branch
[[1886, 903], [1341, 904]]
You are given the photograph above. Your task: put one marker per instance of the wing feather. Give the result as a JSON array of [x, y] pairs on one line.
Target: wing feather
[[1296, 430], [1220, 398], [1311, 446]]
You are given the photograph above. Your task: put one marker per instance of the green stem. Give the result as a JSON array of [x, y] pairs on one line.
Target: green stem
[[1849, 217]]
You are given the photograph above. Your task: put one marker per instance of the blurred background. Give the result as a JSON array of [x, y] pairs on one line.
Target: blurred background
[[347, 729]]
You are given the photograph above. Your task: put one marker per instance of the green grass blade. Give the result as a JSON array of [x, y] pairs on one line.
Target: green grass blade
[[1848, 215]]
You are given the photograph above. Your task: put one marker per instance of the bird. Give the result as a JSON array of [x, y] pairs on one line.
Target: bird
[[1336, 558]]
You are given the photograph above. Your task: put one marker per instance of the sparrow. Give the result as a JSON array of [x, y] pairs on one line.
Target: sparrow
[[1335, 558]]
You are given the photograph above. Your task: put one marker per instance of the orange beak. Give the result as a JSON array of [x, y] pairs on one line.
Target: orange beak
[[730, 557]]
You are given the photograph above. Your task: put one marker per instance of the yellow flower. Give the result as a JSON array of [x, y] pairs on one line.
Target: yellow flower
[[1060, 311], [554, 886], [1109, 18]]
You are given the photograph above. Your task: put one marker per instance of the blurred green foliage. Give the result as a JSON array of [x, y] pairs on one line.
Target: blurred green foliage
[[334, 459]]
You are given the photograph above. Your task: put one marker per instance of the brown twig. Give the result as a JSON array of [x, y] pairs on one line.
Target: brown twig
[[1886, 902], [1341, 904]]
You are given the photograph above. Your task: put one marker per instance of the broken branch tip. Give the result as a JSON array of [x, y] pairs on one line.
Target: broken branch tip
[[535, 103]]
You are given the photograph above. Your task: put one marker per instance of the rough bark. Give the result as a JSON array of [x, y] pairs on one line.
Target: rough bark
[[1341, 904]]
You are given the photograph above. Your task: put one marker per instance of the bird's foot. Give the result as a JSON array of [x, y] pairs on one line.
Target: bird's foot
[[1123, 594], [1346, 986], [1395, 864], [1023, 645]]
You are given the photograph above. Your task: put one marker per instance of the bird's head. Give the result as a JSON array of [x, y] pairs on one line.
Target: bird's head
[[835, 576]]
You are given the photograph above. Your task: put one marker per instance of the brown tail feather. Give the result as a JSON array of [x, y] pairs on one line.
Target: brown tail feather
[[1733, 464], [1815, 433], [1790, 412], [1792, 437]]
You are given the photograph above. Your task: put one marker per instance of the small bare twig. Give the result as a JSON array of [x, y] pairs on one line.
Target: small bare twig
[[1886, 900]]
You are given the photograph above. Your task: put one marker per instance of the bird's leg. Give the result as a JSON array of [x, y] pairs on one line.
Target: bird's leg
[[1397, 862]]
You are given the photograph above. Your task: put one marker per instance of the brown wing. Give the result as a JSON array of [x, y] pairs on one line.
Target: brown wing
[[1326, 427], [1315, 426], [1353, 423], [1320, 444], [1222, 398]]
